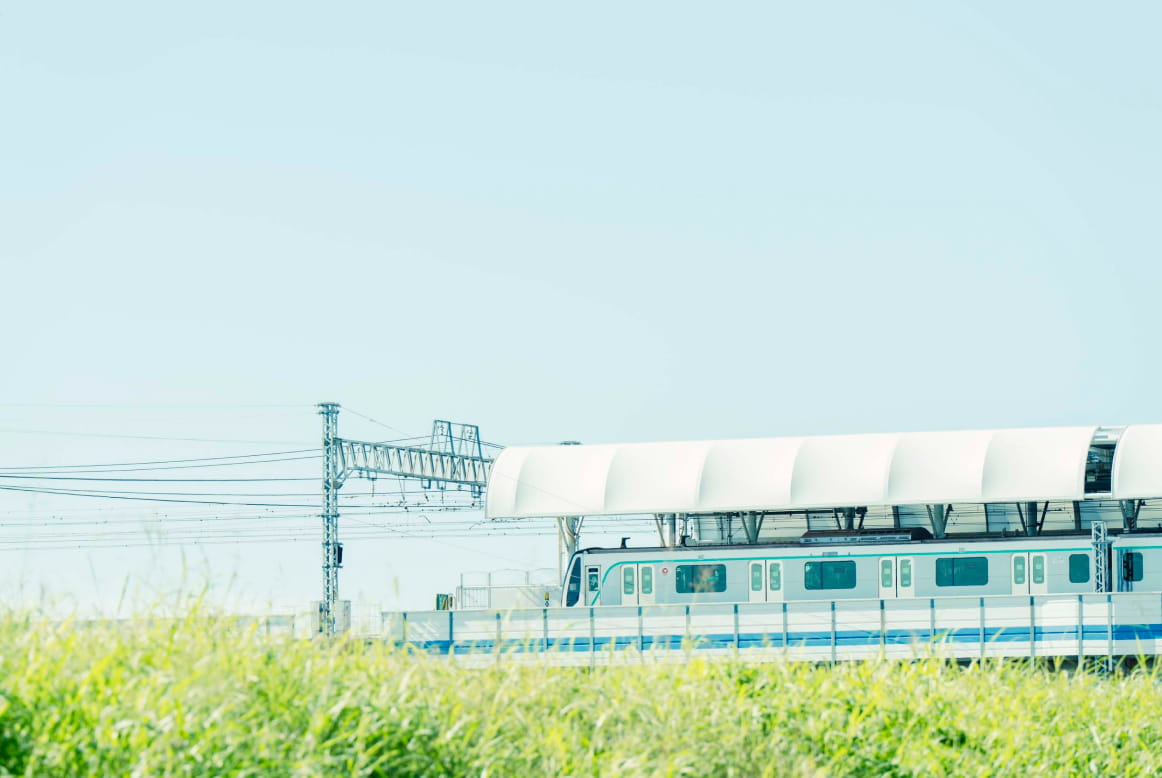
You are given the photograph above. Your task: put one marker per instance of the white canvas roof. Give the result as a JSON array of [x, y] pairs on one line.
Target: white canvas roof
[[779, 474]]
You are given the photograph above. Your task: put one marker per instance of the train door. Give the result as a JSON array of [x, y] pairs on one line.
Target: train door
[[1129, 570], [637, 585], [766, 581], [646, 583], [1038, 574], [895, 575], [1030, 574], [758, 582]]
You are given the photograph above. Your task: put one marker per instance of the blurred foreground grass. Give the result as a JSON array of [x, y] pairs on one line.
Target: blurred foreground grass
[[199, 697]]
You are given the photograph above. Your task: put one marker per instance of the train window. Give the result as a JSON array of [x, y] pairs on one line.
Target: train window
[[573, 587], [1019, 569], [1079, 568], [1132, 566], [695, 579], [905, 572], [829, 575], [627, 582], [962, 571], [591, 578], [648, 580], [886, 573], [776, 575], [756, 577], [1038, 568]]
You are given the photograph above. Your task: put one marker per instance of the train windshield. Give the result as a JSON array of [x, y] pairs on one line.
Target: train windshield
[[573, 583]]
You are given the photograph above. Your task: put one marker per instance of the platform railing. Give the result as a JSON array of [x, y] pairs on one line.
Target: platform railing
[[1057, 625]]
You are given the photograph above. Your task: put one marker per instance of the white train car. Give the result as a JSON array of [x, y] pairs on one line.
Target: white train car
[[896, 565]]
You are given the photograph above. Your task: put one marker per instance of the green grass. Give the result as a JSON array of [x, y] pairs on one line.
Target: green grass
[[196, 697]]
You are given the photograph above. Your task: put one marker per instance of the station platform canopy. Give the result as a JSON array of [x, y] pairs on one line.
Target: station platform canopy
[[824, 472]]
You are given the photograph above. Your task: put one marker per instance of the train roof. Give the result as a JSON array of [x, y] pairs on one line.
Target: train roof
[[802, 473], [847, 539]]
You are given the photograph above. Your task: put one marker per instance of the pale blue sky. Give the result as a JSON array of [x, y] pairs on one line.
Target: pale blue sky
[[604, 223]]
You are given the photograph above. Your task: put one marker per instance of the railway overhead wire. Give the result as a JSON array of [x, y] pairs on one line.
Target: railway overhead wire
[[229, 498]]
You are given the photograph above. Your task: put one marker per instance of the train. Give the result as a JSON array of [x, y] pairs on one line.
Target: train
[[864, 566]]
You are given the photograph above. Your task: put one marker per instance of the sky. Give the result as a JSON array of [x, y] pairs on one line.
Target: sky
[[601, 223]]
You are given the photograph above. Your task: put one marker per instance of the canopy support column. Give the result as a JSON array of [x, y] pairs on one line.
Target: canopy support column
[[1130, 510], [938, 515], [1029, 520], [569, 531], [752, 523]]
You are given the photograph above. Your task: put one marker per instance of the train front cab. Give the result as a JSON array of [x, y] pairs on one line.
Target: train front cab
[[571, 591], [636, 581]]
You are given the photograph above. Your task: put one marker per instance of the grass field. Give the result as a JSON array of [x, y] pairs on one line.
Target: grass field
[[196, 697]]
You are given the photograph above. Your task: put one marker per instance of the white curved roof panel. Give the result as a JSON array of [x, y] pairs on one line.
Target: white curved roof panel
[[1137, 471], [780, 474], [1036, 464], [748, 472], [938, 467]]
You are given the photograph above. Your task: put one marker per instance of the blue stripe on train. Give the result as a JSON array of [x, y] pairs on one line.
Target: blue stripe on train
[[1122, 632]]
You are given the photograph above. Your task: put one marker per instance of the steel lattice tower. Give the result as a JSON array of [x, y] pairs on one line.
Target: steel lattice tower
[[330, 516], [453, 457]]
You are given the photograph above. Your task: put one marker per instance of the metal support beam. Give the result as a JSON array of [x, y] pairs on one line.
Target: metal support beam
[[725, 528], [849, 519], [1130, 509], [454, 456], [658, 518], [1031, 525], [752, 524], [1101, 557], [1027, 513], [569, 531], [332, 480], [938, 516], [672, 530], [441, 467]]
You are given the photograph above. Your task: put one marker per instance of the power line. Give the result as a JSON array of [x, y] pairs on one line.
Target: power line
[[160, 406], [170, 461], [409, 435], [144, 437], [151, 480], [77, 493]]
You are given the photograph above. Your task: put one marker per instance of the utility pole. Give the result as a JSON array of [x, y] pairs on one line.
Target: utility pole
[[331, 554], [455, 457]]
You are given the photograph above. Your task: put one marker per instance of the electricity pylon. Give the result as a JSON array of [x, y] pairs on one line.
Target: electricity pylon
[[453, 456]]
